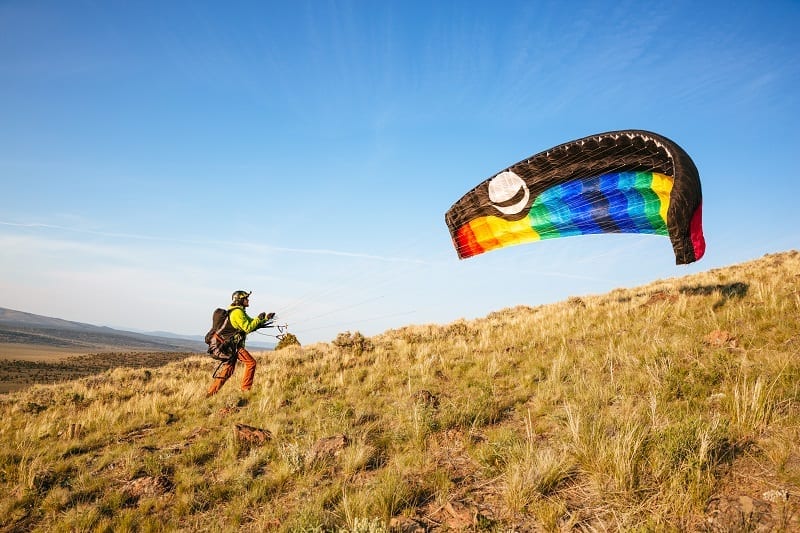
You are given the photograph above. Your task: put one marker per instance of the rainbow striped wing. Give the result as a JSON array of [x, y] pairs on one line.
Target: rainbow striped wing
[[617, 182]]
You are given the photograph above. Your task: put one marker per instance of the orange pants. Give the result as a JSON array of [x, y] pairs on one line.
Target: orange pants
[[227, 371]]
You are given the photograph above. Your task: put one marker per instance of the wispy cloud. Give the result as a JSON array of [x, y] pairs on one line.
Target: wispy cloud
[[252, 246]]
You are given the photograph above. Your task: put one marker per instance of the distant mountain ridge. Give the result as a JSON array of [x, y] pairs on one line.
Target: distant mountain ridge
[[20, 318], [19, 327]]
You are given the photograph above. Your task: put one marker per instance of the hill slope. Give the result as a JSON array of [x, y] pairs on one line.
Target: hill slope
[[669, 407], [17, 327]]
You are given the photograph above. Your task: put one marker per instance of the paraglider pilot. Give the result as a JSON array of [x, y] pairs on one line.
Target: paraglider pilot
[[240, 325]]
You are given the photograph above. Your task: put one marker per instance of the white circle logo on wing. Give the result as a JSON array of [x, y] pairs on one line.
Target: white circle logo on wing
[[508, 193]]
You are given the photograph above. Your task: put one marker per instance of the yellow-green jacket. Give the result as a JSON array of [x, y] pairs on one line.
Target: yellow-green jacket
[[244, 323]]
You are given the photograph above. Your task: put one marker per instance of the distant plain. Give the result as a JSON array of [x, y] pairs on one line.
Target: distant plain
[[39, 350]]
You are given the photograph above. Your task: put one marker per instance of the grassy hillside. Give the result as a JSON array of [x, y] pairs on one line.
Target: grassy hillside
[[669, 407]]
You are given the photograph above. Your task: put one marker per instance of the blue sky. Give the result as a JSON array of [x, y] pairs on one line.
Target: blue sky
[[156, 156]]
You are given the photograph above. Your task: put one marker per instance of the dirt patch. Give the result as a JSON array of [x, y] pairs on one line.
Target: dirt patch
[[749, 498], [147, 486], [721, 338]]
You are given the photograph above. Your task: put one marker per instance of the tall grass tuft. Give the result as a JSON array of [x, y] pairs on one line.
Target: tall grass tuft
[[752, 405]]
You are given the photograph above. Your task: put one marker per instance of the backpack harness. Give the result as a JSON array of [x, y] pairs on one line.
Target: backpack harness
[[223, 339]]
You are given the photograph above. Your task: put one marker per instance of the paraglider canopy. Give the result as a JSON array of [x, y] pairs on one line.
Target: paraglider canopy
[[629, 181]]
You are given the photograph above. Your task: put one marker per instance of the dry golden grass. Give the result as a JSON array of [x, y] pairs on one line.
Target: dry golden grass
[[669, 407]]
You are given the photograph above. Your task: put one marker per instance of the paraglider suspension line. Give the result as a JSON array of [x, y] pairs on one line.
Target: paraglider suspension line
[[283, 329]]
